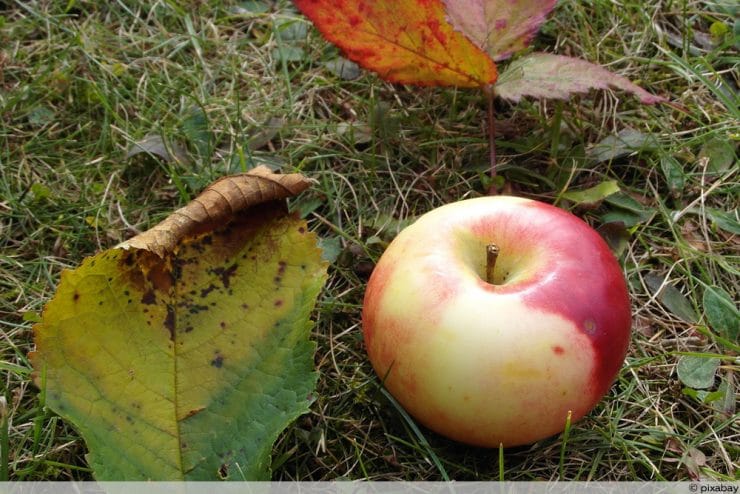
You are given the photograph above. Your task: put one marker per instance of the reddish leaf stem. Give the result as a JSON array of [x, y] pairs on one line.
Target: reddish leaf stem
[[490, 96]]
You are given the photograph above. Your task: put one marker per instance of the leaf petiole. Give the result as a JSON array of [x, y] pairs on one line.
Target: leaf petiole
[[490, 93]]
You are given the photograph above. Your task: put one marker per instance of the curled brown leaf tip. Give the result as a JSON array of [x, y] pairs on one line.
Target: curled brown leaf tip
[[218, 204]]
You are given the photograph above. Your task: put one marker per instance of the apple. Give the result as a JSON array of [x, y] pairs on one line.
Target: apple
[[490, 320]]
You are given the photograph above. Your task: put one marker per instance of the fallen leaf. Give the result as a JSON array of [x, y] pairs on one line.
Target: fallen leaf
[[330, 248], [406, 41], [616, 236], [674, 445], [694, 460], [593, 195], [672, 298], [722, 314], [184, 352], [251, 7], [260, 136], [674, 174], [499, 27], [719, 153], [215, 205], [196, 127], [288, 54], [626, 142], [627, 202], [627, 210], [728, 404], [343, 68], [356, 132], [40, 116], [697, 372], [726, 220], [154, 144], [543, 75], [691, 233], [645, 327], [291, 29]]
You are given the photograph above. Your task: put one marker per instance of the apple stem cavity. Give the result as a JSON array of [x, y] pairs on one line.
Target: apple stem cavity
[[492, 251]]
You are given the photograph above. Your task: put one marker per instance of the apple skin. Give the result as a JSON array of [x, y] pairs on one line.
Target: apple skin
[[503, 363]]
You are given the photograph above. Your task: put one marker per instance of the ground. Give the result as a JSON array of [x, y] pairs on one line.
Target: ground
[[218, 87]]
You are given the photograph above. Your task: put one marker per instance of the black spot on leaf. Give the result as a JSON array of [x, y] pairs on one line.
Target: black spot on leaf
[[169, 321], [176, 272], [218, 361], [149, 298], [225, 274], [204, 292], [194, 309]]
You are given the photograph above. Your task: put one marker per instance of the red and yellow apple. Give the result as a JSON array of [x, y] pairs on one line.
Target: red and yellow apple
[[493, 350]]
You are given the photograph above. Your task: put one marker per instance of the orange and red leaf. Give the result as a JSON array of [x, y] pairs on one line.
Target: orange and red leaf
[[404, 41]]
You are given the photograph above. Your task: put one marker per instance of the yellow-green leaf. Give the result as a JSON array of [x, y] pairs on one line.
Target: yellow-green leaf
[[183, 353], [594, 194]]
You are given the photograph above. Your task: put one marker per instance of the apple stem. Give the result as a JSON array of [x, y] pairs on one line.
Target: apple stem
[[492, 251]]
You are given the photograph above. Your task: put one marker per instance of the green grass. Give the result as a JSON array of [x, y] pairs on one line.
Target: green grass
[[79, 86]]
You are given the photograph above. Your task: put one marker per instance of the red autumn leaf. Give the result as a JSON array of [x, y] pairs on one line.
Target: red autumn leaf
[[543, 75], [404, 41], [499, 27]]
